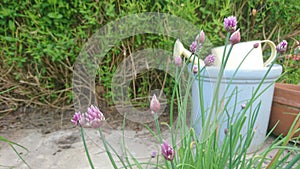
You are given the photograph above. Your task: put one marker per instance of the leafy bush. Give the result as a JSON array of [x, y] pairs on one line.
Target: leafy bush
[[40, 40]]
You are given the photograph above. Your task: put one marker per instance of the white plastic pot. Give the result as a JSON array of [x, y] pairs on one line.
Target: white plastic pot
[[245, 83]]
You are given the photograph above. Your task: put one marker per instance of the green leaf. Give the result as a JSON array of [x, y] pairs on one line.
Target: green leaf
[[5, 12], [11, 142], [54, 15], [10, 39], [11, 25]]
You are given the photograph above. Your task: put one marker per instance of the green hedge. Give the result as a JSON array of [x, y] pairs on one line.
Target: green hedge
[[40, 40]]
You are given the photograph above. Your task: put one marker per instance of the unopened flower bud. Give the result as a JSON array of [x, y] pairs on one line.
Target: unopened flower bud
[[193, 47], [235, 37], [200, 38], [226, 131], [178, 61], [154, 104], [153, 154], [255, 45], [253, 12], [243, 105], [167, 151], [195, 69]]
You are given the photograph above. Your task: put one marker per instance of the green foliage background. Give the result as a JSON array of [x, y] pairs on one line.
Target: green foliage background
[[40, 40]]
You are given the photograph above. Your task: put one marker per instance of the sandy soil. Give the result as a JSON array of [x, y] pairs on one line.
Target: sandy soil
[[64, 149], [53, 143]]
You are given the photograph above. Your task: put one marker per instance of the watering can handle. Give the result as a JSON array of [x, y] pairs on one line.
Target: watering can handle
[[180, 50], [273, 52]]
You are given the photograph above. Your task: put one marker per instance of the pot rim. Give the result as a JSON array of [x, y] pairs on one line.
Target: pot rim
[[244, 74], [287, 94], [289, 87]]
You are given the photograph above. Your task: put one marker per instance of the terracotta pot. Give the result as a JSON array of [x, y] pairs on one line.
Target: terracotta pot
[[285, 107]]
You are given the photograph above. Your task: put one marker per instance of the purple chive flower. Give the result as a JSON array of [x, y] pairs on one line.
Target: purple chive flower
[[282, 47], [209, 60], [230, 23], [167, 151], [255, 45], [154, 104], [178, 61], [193, 47], [94, 117], [200, 38], [78, 119], [235, 37], [195, 69], [153, 154]]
